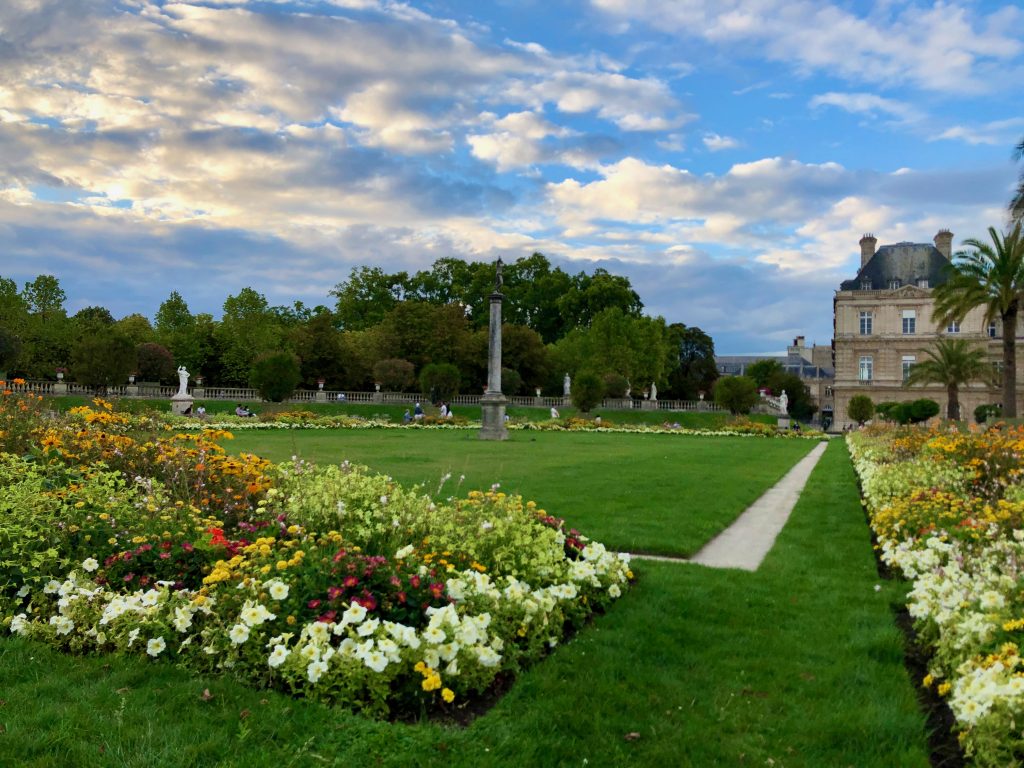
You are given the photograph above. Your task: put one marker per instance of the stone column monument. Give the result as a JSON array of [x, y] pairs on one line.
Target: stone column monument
[[492, 404]]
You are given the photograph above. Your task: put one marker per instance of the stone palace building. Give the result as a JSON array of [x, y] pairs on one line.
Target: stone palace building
[[883, 325]]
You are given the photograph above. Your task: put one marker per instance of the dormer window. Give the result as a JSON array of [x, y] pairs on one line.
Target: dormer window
[[922, 282], [865, 284], [894, 284]]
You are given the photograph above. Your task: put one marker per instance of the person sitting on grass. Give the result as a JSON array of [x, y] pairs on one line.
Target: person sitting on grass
[[554, 412], [406, 417], [417, 412], [243, 412]]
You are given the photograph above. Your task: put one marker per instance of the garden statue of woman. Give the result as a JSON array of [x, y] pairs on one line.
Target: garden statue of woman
[[654, 391], [784, 402], [182, 380], [566, 385]]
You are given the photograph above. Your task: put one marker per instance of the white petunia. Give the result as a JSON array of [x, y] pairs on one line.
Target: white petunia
[[278, 590], [614, 591], [90, 564], [156, 646], [277, 657], [239, 634], [376, 661], [62, 624], [19, 624], [315, 670], [434, 635], [354, 614]]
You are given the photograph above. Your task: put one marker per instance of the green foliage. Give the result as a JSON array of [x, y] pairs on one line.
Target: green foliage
[[615, 385], [923, 409], [10, 348], [319, 346], [908, 413], [984, 412], [275, 375], [511, 381], [154, 363], [442, 379], [764, 371], [694, 371], [103, 360], [738, 394], [394, 375], [860, 408], [248, 328], [991, 276], [951, 363], [587, 391]]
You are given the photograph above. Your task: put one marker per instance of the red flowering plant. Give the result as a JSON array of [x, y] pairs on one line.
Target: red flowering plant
[[391, 589]]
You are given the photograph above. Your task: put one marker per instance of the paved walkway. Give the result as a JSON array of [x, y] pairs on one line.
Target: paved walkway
[[746, 542]]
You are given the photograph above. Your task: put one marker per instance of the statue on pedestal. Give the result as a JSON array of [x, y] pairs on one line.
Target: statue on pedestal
[[784, 402], [654, 391], [499, 281], [566, 385], [182, 380]]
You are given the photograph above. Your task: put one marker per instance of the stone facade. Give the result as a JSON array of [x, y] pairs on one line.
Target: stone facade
[[883, 326]]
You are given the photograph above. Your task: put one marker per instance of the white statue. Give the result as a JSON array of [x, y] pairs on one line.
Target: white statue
[[654, 391], [784, 402], [566, 385], [182, 380]]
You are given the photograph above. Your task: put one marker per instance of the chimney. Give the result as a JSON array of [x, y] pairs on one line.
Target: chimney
[[944, 243], [867, 248]]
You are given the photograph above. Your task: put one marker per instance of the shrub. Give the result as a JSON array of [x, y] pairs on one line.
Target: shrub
[[988, 411], [441, 380], [393, 374], [737, 393], [275, 375], [860, 408], [10, 348], [587, 391], [615, 385], [511, 381], [923, 409]]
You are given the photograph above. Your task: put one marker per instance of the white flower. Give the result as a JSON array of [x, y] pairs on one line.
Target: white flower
[[19, 624], [354, 614], [156, 646], [404, 552], [255, 614], [319, 631], [487, 656], [434, 635], [992, 600], [239, 634], [133, 636], [150, 598], [51, 587], [315, 670], [375, 660], [277, 657], [278, 590], [614, 591], [90, 564], [367, 628]]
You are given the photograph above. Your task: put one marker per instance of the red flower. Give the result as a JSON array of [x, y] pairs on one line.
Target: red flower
[[350, 581], [313, 604], [334, 592], [327, 617], [187, 546], [414, 580]]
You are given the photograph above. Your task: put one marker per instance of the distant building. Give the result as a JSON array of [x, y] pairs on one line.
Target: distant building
[[883, 326], [812, 364]]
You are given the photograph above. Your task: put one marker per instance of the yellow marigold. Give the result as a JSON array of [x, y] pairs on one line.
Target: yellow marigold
[[944, 688], [448, 695], [431, 683]]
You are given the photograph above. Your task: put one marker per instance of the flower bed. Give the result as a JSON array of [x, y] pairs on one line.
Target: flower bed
[[327, 582], [948, 511]]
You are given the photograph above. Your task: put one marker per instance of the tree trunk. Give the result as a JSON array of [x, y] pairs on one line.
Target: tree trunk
[[1010, 361], [953, 407]]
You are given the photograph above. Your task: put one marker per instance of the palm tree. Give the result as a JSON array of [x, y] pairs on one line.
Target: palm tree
[[1017, 203], [951, 363], [990, 276]]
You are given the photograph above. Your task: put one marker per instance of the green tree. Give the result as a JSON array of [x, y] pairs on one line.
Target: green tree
[[13, 308], [590, 295], [248, 328], [801, 405], [693, 368], [367, 296], [615, 385], [49, 335], [860, 408], [763, 371], [319, 346], [394, 375], [154, 363], [189, 338], [587, 391], [990, 276], [10, 348], [522, 350], [137, 328], [275, 375], [440, 380], [92, 320], [102, 360], [738, 394], [44, 296], [952, 363], [423, 333]]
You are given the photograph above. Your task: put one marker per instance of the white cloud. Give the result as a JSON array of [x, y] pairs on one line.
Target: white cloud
[[868, 104], [949, 46], [716, 143], [997, 133]]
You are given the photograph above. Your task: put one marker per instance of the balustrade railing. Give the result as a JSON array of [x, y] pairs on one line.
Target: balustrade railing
[[304, 396]]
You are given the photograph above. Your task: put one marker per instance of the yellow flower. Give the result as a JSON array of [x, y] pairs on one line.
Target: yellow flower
[[944, 688], [448, 695], [927, 681]]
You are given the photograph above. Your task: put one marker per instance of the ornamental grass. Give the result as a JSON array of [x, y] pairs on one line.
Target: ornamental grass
[[122, 534], [948, 510]]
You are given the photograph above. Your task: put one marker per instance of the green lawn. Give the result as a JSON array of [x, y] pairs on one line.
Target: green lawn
[[664, 494], [796, 665]]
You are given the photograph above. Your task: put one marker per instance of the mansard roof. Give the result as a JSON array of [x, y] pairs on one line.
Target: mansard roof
[[906, 262]]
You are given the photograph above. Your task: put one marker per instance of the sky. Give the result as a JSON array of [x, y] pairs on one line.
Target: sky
[[725, 155]]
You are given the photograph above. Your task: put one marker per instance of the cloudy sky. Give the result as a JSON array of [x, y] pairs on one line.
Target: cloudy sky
[[726, 155]]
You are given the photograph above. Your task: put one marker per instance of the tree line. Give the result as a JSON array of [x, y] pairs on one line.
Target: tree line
[[398, 330]]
